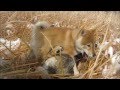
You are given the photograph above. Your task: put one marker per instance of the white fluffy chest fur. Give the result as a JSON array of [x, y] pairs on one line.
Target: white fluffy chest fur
[[78, 45]]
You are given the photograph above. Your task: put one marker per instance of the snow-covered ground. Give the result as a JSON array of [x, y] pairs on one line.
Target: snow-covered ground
[[113, 68], [12, 45]]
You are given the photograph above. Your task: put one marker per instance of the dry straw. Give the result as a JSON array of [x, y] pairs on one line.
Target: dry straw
[[104, 22]]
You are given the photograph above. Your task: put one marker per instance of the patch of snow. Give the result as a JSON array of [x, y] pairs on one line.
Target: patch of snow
[[30, 26], [2, 40], [56, 24], [14, 44], [9, 25], [117, 40], [116, 58], [106, 71], [115, 61], [104, 45], [109, 51]]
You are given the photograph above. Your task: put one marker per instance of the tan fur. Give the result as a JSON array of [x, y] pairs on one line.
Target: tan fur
[[86, 42], [56, 36]]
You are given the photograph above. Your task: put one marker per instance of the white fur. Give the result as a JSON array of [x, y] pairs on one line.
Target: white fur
[[42, 23], [51, 62], [76, 72], [78, 46], [81, 48]]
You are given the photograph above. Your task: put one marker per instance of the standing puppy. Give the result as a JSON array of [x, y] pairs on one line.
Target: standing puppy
[[73, 41]]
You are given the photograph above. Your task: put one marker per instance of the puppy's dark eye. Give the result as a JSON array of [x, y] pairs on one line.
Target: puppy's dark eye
[[95, 45], [88, 45]]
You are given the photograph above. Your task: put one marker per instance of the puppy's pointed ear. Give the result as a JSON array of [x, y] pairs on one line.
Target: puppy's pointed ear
[[93, 30], [82, 32]]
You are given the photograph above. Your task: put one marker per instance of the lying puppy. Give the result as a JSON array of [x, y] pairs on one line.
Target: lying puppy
[[58, 63]]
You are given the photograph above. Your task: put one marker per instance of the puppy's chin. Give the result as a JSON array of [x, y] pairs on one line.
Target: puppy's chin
[[91, 57]]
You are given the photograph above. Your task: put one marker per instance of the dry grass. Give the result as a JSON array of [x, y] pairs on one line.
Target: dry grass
[[106, 23]]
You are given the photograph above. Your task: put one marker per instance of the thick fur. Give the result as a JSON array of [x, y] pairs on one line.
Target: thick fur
[[60, 64]]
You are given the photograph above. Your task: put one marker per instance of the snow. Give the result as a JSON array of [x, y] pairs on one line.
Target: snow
[[14, 44], [56, 24], [114, 67], [105, 71], [109, 51], [116, 58], [30, 26], [117, 40], [9, 25], [116, 62], [104, 45], [2, 40]]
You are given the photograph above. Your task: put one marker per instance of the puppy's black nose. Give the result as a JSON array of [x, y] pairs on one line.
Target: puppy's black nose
[[58, 52], [94, 55]]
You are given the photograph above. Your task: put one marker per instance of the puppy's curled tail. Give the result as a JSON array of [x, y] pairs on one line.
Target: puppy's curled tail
[[41, 25]]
